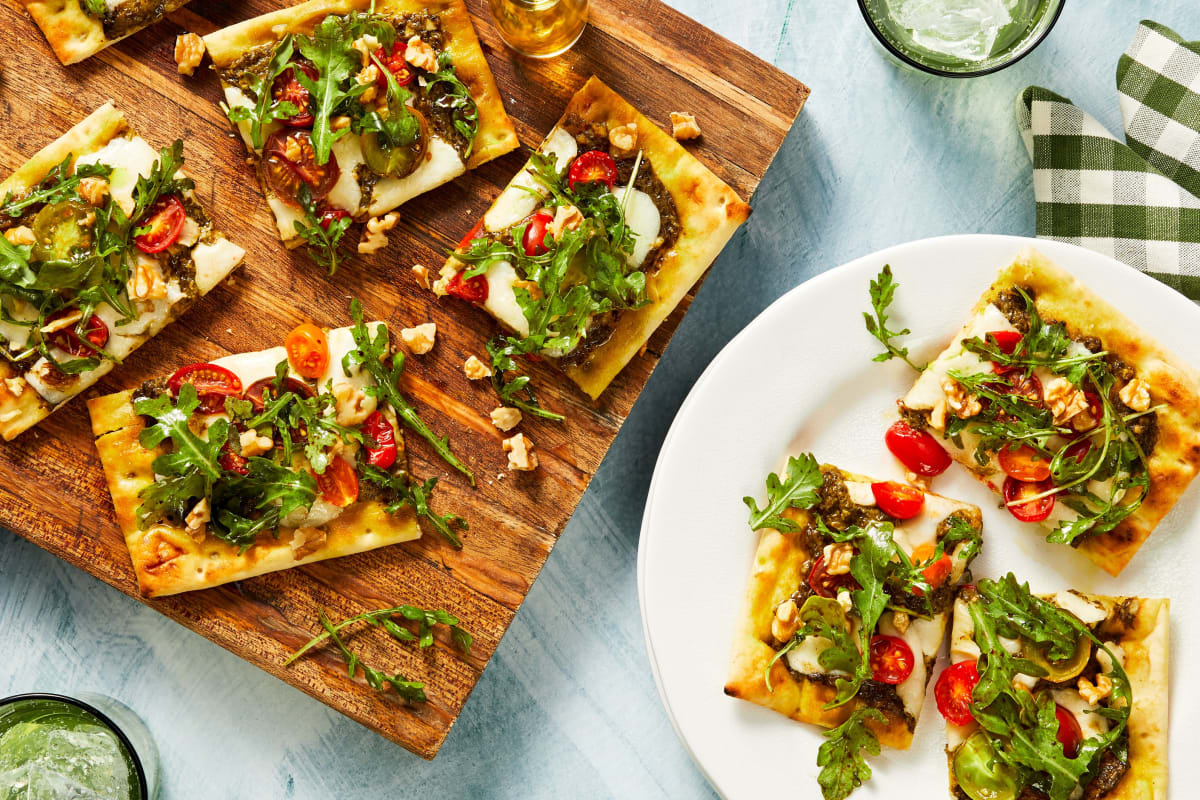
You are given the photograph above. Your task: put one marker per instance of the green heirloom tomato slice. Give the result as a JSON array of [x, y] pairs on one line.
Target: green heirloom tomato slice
[[1062, 670], [980, 773], [62, 230], [396, 161]]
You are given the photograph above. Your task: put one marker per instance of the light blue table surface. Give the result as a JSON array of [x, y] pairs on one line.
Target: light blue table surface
[[568, 708]]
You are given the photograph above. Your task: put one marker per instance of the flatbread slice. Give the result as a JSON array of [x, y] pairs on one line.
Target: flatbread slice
[[1153, 392], [786, 567], [681, 215], [1136, 631], [151, 279], [178, 552], [76, 32]]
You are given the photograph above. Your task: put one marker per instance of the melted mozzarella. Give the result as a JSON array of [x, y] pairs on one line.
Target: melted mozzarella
[[523, 193], [502, 300], [213, 261], [1089, 612], [1090, 724], [16, 335], [642, 217], [962, 635], [286, 217], [129, 158], [320, 513], [927, 391], [52, 394], [860, 493], [341, 342], [346, 193], [441, 165], [805, 657], [234, 97], [922, 529], [923, 637], [251, 367]]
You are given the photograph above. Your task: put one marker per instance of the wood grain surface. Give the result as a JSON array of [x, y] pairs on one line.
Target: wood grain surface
[[52, 490]]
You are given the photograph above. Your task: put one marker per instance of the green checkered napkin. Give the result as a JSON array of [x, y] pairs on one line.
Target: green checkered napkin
[[1138, 201]]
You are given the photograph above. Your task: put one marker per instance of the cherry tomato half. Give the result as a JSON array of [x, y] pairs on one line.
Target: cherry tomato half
[[254, 392], [1024, 463], [897, 500], [1028, 510], [163, 221], [473, 290], [1028, 387], [233, 462], [213, 384], [955, 690], [339, 484], [96, 333], [395, 63], [917, 450], [937, 572], [828, 585], [1078, 450], [378, 429], [471, 236], [1069, 732], [330, 215], [287, 88], [594, 166], [891, 659], [534, 240], [307, 350], [1007, 341], [289, 162]]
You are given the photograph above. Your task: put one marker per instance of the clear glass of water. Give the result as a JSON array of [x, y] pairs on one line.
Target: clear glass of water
[[960, 38]]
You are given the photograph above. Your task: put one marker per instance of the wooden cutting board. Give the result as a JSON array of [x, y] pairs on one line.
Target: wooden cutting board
[[52, 490]]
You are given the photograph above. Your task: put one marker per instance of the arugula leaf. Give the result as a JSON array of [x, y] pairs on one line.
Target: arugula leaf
[[59, 184], [331, 51], [502, 350], [161, 181], [445, 90], [870, 567], [407, 491], [369, 355], [265, 108], [843, 768], [321, 236], [267, 487], [800, 490], [95, 7], [883, 290], [411, 691]]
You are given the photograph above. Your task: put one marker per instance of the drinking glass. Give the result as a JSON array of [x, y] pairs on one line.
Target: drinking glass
[[540, 28]]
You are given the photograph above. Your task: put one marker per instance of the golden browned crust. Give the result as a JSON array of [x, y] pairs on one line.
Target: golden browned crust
[[778, 568], [1176, 455], [72, 32], [167, 560]]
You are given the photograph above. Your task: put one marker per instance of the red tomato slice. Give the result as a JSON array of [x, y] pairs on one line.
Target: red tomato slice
[[330, 215], [1026, 386], [534, 240], [213, 384], [1069, 732], [287, 88], [473, 290], [897, 500], [307, 350], [254, 392], [937, 572], [68, 340], [1078, 450], [1024, 463], [233, 462], [891, 659], [828, 585], [378, 429], [164, 221], [1028, 510], [289, 161], [955, 690], [594, 166], [917, 450], [1007, 341], [395, 63], [471, 236], [339, 484]]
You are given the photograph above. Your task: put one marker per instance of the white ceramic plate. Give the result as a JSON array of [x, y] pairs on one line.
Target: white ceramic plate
[[800, 378]]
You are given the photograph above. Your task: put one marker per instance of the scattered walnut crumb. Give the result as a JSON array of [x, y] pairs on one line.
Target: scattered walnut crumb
[[375, 233], [843, 600], [520, 453], [20, 235], [419, 339], [422, 274], [253, 444], [964, 404], [786, 620], [476, 369], [306, 541], [684, 126], [900, 620], [566, 218], [339, 122], [937, 417], [1136, 394], [353, 404], [93, 191], [623, 139], [189, 52], [196, 523], [837, 557], [420, 54], [506, 418], [1063, 399], [365, 45], [1094, 693]]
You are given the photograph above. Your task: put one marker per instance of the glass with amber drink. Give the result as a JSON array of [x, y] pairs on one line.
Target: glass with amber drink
[[540, 28]]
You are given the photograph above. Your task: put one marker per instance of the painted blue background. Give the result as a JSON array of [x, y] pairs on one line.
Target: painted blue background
[[568, 707]]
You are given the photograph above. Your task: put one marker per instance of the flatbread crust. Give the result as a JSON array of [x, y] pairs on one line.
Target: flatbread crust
[[21, 410], [167, 560], [777, 573], [73, 33]]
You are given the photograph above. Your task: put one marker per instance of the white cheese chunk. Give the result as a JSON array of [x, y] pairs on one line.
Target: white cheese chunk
[[923, 637], [441, 165], [1088, 611], [524, 193], [52, 394], [346, 193], [642, 217], [502, 300], [16, 335], [320, 513], [341, 342], [235, 97], [927, 391], [129, 158], [962, 635], [860, 493], [251, 367], [214, 261], [1090, 724], [922, 529], [286, 217], [805, 657]]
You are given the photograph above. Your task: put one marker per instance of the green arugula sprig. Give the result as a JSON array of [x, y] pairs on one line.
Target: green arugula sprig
[[515, 391], [843, 768], [331, 51], [445, 90], [883, 291], [95, 7], [405, 490], [799, 490], [322, 235], [60, 183], [265, 109]]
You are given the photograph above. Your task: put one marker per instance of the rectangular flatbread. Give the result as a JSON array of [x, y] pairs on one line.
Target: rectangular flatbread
[[71, 204], [196, 546], [679, 213], [1136, 633], [1120, 413], [458, 131], [76, 32], [792, 570]]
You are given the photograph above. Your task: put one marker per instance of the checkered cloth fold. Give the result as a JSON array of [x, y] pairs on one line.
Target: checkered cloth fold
[[1138, 201]]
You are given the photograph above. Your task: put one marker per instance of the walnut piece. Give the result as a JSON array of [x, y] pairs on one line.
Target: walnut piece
[[16, 386], [837, 557], [1063, 399], [189, 52], [566, 218], [786, 620], [196, 523], [353, 404], [375, 234], [1136, 394], [506, 418], [520, 453], [420, 54], [253, 444], [623, 139], [900, 621], [959, 400], [422, 274], [476, 369], [93, 190], [1094, 693], [20, 235], [365, 45], [419, 339], [843, 600], [684, 126], [937, 416], [306, 541]]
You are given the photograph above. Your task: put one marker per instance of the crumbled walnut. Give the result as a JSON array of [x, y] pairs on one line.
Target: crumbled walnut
[[623, 140], [1094, 693], [93, 190], [365, 45], [353, 404], [684, 126], [786, 621], [1084, 421], [420, 54], [367, 76], [535, 291], [422, 274], [375, 234], [339, 122], [837, 557], [189, 52], [146, 282], [63, 322], [520, 453], [900, 620], [292, 150], [476, 369], [959, 400], [419, 339], [253, 444], [20, 235], [506, 418], [843, 600], [1063, 399], [566, 218], [1136, 394], [15, 386], [196, 523], [306, 541]]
